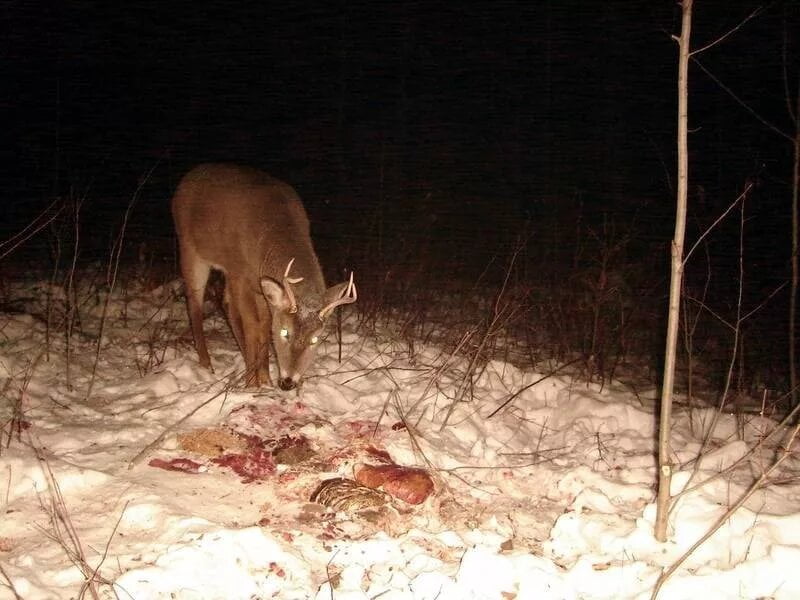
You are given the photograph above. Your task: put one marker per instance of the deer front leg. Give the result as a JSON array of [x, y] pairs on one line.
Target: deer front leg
[[250, 324], [234, 315], [263, 332]]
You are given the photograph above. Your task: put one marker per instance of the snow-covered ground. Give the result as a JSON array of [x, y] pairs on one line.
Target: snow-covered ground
[[551, 498]]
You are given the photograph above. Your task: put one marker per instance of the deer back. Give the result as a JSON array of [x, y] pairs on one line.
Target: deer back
[[246, 223]]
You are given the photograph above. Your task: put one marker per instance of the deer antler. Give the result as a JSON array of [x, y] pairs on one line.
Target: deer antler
[[348, 296], [287, 286]]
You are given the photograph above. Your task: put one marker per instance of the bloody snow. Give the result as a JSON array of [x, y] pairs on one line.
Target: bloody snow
[[552, 497]]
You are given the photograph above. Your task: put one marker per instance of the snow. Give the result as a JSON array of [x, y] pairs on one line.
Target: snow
[[552, 497]]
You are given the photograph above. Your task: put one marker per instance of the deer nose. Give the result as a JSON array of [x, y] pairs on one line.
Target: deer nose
[[286, 384]]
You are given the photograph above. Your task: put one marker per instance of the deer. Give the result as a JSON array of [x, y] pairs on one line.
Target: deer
[[254, 229]]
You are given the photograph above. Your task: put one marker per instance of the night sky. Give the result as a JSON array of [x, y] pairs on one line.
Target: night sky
[[500, 111]]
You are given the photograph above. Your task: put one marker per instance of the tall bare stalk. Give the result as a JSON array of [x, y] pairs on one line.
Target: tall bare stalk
[[502, 312], [795, 267], [111, 276], [70, 297], [664, 459], [49, 305]]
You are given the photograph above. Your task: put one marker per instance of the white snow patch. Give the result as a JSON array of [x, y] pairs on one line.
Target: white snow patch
[[550, 498]]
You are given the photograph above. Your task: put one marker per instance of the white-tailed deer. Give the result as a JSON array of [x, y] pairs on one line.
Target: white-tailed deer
[[254, 229]]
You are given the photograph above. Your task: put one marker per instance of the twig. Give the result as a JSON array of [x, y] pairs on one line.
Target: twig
[[775, 129], [63, 530], [730, 32], [498, 314], [111, 276], [149, 447], [734, 352], [530, 385], [717, 221], [728, 513], [108, 545], [439, 371], [711, 311], [762, 442], [38, 223], [71, 298], [9, 584], [763, 303]]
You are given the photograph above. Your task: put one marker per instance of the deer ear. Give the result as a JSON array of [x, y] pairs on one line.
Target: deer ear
[[273, 292]]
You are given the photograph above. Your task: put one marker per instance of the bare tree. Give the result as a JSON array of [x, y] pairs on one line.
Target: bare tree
[[795, 225], [664, 459]]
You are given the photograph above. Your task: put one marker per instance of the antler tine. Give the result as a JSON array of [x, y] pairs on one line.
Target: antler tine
[[348, 296], [287, 286], [286, 273], [351, 289]]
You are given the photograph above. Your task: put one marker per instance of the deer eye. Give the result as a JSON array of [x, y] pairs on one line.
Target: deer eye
[[284, 333], [314, 339]]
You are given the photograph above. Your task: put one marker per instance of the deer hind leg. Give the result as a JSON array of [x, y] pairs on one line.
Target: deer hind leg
[[195, 276]]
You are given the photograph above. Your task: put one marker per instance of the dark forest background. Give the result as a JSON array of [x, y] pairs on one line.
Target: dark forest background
[[429, 140]]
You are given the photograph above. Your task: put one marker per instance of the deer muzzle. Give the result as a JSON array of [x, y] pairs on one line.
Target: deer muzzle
[[286, 383]]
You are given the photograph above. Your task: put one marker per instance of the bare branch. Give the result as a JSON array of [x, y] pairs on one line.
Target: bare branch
[[730, 32], [725, 88], [740, 197], [761, 482], [784, 62], [31, 229], [764, 302], [9, 583]]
